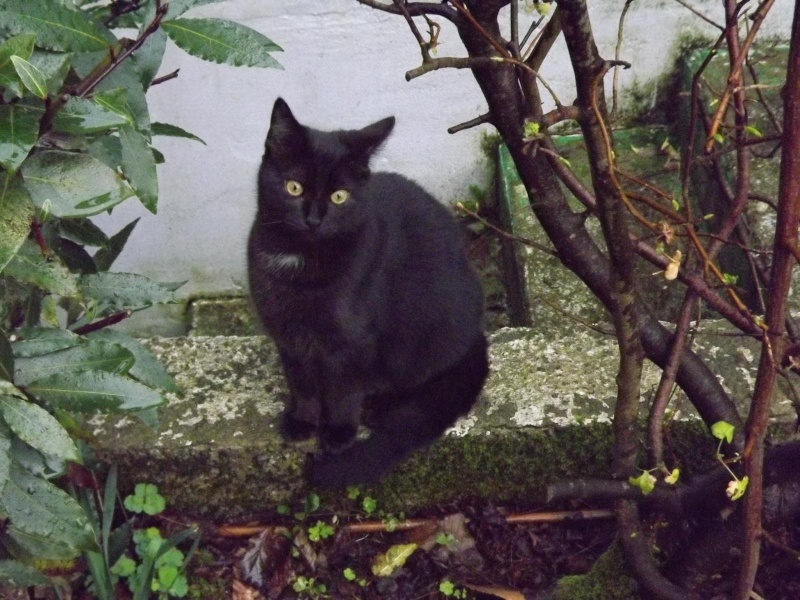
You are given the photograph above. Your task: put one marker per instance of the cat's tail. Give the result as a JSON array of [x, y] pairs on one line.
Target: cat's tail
[[405, 422]]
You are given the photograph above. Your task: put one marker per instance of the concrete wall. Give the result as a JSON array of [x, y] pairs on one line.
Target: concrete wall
[[344, 67]]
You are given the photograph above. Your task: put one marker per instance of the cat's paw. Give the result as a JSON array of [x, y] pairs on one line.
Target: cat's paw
[[296, 430], [333, 438]]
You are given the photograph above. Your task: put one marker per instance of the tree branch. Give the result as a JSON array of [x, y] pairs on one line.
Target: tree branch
[[415, 9], [774, 343]]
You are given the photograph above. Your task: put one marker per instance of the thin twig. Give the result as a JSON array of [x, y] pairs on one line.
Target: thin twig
[[381, 526], [734, 79], [617, 57], [509, 236], [482, 119], [701, 15], [164, 78]]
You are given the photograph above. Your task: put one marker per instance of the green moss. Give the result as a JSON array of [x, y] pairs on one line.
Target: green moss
[[609, 579]]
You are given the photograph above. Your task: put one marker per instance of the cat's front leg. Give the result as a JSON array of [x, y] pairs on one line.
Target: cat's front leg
[[301, 416], [341, 414]]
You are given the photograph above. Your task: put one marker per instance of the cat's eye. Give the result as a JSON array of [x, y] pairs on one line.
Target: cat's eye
[[340, 196], [294, 188]]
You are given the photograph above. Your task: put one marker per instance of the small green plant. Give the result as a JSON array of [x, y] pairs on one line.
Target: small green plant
[[724, 433], [159, 567], [160, 563], [449, 589], [308, 587], [145, 499], [350, 575], [320, 531]]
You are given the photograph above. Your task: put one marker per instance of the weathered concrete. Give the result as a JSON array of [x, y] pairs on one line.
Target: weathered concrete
[[544, 415]]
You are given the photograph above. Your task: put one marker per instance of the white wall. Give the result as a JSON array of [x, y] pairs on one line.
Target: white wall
[[344, 68]]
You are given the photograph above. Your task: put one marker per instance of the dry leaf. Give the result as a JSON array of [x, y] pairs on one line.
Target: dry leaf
[[266, 554], [241, 591], [671, 272]]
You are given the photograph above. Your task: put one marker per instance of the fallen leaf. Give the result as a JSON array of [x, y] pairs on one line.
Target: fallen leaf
[[395, 557]]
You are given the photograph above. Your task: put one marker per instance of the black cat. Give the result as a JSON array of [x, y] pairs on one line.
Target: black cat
[[363, 282]]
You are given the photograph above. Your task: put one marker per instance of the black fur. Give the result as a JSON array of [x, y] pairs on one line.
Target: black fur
[[372, 302]]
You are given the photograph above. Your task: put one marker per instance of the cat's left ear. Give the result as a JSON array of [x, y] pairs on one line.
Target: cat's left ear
[[363, 142]]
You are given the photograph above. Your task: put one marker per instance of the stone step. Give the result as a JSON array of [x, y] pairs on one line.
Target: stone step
[[544, 415]]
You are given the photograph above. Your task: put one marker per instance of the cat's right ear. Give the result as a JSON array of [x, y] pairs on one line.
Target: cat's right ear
[[284, 130]]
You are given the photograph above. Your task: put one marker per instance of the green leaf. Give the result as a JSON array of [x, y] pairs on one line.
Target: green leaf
[[121, 291], [222, 41], [723, 431], [369, 504], [124, 567], [82, 116], [31, 77], [737, 488], [124, 77], [93, 355], [31, 547], [6, 358], [35, 341], [531, 129], [116, 100], [106, 256], [19, 130], [147, 59], [108, 150], [55, 67], [55, 26], [83, 231], [178, 7], [91, 391], [20, 575], [28, 266], [147, 368], [37, 507], [5, 462], [673, 477], [395, 557], [753, 130], [167, 129], [19, 45], [38, 428], [16, 214], [139, 166], [77, 185], [145, 499], [645, 482]]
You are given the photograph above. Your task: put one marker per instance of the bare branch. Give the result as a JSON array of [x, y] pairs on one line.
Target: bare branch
[[701, 15], [482, 119], [774, 343], [415, 9]]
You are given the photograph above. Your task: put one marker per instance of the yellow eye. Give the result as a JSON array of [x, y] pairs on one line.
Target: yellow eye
[[340, 196], [294, 188]]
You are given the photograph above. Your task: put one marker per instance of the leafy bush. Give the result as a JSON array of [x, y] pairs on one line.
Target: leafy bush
[[76, 140]]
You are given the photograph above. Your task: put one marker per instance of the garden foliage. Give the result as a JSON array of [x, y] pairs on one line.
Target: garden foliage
[[76, 140]]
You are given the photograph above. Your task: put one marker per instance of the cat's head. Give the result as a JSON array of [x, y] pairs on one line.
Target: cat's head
[[310, 183]]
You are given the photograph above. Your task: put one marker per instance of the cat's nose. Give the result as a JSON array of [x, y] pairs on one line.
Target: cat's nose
[[313, 221]]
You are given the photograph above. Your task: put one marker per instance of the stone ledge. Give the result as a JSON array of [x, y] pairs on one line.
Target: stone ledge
[[545, 414]]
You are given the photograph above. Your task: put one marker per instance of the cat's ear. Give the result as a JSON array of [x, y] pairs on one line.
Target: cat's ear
[[284, 130], [364, 142]]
